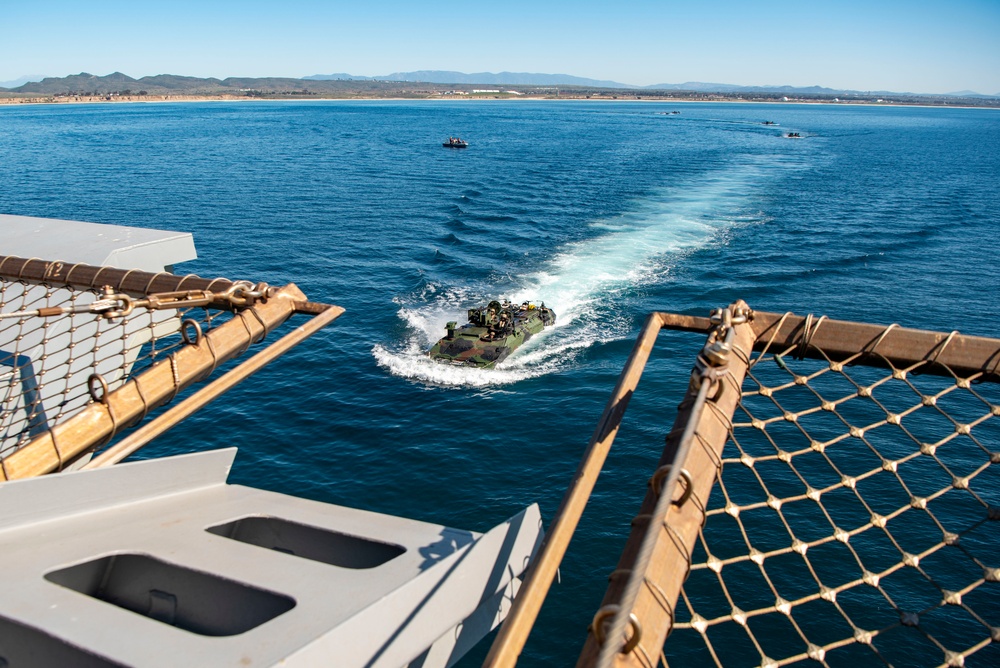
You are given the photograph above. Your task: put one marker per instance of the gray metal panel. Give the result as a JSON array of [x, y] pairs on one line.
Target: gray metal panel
[[385, 615], [456, 641], [27, 502], [94, 243]]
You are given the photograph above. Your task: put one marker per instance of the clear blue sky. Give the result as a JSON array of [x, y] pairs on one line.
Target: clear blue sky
[[896, 45]]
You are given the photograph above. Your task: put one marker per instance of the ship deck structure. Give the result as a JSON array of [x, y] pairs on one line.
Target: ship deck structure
[[827, 492]]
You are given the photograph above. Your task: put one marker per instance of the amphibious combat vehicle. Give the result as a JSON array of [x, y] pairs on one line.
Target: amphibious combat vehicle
[[492, 333]]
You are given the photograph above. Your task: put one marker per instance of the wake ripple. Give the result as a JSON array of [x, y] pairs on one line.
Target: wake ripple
[[588, 283]]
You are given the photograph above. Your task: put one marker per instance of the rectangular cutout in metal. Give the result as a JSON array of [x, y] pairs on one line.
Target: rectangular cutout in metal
[[301, 540], [198, 602], [23, 645]]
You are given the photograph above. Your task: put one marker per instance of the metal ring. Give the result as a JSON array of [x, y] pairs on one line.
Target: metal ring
[[688, 488], [609, 611], [238, 293], [103, 399], [191, 322], [656, 481], [126, 307]]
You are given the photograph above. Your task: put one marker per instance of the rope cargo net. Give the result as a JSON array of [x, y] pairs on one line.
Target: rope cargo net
[[850, 512], [86, 352], [854, 517], [828, 494]]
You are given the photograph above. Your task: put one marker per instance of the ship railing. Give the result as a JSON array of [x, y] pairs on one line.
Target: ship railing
[[828, 492], [88, 352]]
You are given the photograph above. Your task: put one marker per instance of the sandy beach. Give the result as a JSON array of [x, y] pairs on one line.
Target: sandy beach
[[14, 100]]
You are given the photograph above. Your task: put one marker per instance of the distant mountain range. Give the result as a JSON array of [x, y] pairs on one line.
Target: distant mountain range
[[529, 79], [500, 79], [163, 84]]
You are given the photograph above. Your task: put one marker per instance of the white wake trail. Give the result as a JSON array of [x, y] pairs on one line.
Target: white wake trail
[[585, 283]]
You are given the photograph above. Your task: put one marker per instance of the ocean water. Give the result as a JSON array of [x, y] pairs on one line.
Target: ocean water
[[605, 211]]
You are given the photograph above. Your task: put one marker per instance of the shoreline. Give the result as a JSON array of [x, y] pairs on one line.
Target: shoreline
[[164, 99]]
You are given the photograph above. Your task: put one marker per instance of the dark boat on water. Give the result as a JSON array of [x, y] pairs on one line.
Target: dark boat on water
[[455, 142], [491, 334]]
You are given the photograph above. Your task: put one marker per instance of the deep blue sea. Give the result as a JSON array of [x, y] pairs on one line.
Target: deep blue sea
[[605, 211]]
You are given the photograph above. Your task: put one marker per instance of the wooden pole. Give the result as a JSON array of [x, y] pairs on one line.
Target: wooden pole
[[674, 538], [873, 345], [514, 632]]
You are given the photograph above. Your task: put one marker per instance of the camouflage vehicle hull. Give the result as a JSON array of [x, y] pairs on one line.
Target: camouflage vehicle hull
[[492, 334]]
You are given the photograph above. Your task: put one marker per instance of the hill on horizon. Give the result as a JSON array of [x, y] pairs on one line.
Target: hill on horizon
[[535, 79], [500, 78], [163, 84]]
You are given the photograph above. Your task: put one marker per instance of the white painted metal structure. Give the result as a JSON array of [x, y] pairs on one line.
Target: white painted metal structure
[[99, 245], [147, 564]]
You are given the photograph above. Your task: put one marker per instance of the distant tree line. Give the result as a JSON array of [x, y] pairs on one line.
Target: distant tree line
[[95, 93]]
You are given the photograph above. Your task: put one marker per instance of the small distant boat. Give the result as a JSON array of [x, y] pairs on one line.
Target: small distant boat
[[768, 123], [794, 135], [456, 142]]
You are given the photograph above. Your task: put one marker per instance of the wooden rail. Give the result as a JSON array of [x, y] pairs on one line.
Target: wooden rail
[[52, 450], [88, 276], [675, 534], [514, 632], [879, 345], [213, 390]]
